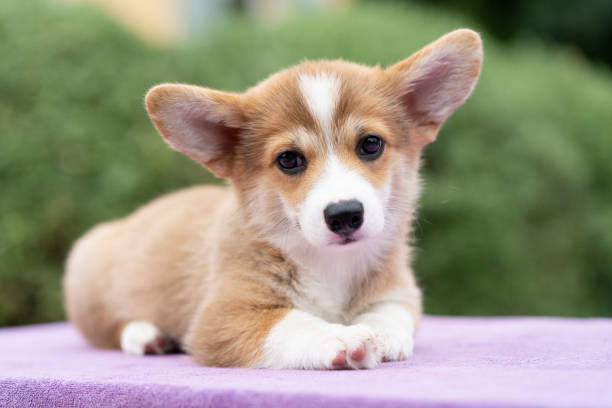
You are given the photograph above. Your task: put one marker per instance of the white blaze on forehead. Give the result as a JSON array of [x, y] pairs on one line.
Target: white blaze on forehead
[[321, 92]]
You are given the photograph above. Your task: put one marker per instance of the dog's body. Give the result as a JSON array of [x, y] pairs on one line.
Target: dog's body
[[302, 261]]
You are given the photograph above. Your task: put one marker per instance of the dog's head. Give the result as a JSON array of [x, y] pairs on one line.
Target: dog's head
[[326, 153]]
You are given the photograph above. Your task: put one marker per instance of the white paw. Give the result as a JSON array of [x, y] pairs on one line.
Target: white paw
[[360, 347], [394, 327], [303, 341], [140, 338], [341, 347], [397, 345]]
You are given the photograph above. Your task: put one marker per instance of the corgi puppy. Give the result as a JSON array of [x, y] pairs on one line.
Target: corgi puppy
[[302, 262]]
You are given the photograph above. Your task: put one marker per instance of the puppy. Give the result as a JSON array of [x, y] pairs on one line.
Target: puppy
[[302, 261]]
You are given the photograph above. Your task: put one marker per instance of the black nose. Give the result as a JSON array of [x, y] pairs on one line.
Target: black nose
[[344, 217]]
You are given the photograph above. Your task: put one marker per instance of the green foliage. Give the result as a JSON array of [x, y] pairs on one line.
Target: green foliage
[[516, 215], [586, 25]]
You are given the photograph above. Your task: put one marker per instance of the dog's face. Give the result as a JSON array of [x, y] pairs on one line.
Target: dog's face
[[322, 150], [325, 153]]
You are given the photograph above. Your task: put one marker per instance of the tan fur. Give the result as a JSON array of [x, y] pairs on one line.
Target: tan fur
[[200, 263]]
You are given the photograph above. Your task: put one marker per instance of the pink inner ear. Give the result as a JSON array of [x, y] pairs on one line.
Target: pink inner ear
[[201, 135], [215, 137], [427, 98]]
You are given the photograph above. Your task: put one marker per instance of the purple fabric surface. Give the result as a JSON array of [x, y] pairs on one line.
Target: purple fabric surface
[[458, 362]]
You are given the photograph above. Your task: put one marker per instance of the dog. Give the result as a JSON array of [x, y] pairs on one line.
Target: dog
[[302, 261]]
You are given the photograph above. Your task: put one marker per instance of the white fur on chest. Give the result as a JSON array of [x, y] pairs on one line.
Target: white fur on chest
[[328, 282]]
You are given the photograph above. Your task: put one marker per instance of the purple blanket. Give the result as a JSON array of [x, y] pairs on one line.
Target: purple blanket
[[458, 362]]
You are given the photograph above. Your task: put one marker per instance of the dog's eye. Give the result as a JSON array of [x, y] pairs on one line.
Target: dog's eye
[[291, 162], [370, 147]]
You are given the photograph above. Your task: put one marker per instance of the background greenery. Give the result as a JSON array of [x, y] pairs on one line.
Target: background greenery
[[585, 25], [516, 215]]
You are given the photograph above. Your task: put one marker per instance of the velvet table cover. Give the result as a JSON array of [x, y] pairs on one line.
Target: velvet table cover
[[458, 362]]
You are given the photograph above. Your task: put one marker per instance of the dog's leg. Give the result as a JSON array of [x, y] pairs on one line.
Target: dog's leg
[[229, 334], [301, 340], [140, 337], [395, 324]]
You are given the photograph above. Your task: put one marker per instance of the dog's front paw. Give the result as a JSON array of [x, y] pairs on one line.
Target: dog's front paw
[[340, 347], [394, 326], [397, 346], [357, 347], [304, 342]]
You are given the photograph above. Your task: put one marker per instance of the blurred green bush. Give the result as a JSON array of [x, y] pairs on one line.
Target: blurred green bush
[[516, 216], [585, 25]]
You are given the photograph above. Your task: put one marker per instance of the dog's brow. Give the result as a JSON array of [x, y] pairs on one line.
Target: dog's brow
[[299, 138]]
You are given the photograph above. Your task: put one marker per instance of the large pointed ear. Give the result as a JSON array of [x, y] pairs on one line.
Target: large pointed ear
[[436, 80], [200, 122]]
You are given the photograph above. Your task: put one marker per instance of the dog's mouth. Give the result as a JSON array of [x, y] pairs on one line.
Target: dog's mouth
[[345, 241], [348, 240]]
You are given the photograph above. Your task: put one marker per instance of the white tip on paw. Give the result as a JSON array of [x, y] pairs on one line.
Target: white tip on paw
[[140, 338], [303, 341], [397, 345], [362, 348], [395, 327]]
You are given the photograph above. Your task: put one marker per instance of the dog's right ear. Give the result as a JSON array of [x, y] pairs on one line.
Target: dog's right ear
[[199, 122]]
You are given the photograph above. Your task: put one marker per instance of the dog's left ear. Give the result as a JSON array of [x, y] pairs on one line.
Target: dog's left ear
[[436, 80]]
